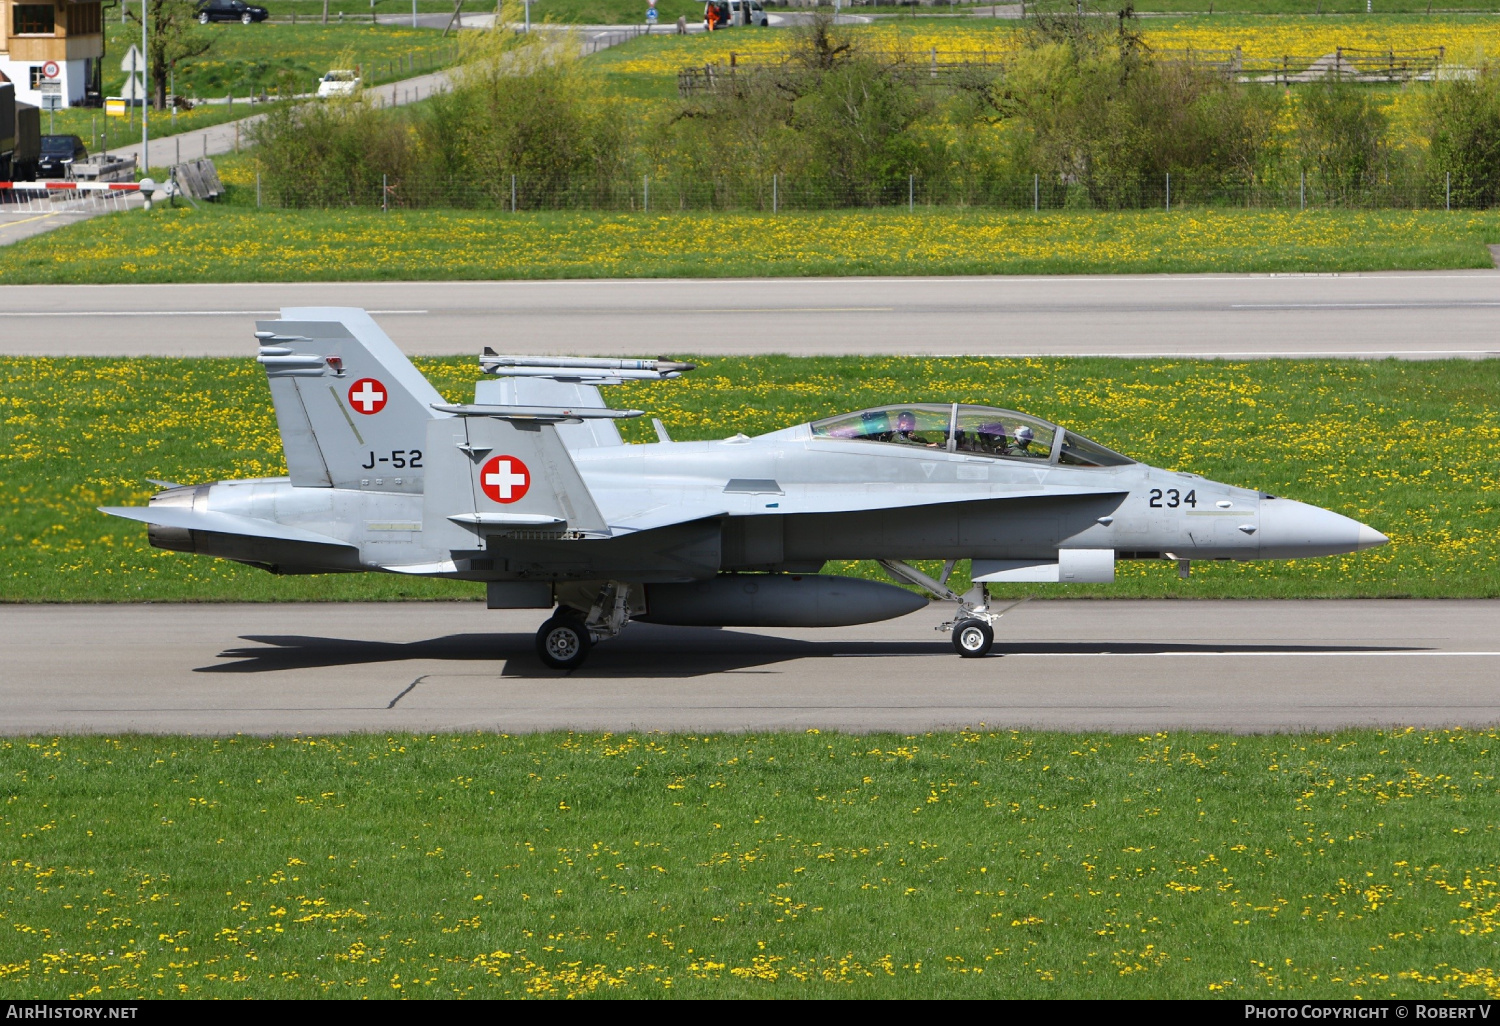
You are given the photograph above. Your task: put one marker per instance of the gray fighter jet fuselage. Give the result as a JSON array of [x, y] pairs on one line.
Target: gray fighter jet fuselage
[[531, 490]]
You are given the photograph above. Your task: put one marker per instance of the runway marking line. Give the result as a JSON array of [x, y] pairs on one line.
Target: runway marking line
[[1414, 305]]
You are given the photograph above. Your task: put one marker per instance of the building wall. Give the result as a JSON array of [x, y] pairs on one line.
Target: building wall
[[20, 54]]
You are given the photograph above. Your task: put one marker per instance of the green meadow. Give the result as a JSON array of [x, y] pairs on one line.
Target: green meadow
[[977, 864]]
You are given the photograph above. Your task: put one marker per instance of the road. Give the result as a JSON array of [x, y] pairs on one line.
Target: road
[[1409, 316], [1118, 666]]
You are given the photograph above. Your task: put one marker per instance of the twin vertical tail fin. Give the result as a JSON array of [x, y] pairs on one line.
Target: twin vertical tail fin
[[352, 410]]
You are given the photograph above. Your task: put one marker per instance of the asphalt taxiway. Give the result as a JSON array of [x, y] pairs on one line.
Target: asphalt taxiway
[[1418, 315], [1091, 665]]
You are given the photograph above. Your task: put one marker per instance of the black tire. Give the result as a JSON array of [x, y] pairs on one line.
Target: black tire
[[202, 17], [563, 642], [972, 638]]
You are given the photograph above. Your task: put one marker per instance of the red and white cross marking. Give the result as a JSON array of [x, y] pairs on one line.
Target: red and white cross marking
[[505, 479], [368, 395]]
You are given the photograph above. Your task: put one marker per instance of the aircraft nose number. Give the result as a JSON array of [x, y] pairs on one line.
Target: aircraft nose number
[[504, 479]]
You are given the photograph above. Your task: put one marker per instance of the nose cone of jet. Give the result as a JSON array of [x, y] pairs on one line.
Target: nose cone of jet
[[1295, 530]]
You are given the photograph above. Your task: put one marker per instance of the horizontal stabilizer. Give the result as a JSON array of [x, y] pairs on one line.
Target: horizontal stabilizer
[[188, 519]]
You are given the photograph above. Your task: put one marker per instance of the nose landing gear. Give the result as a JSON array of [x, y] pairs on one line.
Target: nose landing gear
[[974, 627]]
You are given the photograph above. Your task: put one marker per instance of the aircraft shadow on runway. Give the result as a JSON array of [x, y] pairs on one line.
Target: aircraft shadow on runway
[[651, 651]]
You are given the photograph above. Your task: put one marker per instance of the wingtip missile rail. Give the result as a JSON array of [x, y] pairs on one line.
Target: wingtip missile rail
[[575, 368]]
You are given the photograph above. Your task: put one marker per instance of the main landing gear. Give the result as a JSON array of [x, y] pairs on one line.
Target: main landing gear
[[974, 627], [563, 642]]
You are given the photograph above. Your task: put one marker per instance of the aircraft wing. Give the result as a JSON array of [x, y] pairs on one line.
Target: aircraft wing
[[219, 523]]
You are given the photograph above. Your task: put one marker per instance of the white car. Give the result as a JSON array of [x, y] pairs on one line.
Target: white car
[[735, 12], [338, 83]]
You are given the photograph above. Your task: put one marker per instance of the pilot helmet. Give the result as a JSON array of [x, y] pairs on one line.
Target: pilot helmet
[[906, 421], [1024, 435]]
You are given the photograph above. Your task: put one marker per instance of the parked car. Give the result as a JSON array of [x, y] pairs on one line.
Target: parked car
[[58, 155], [727, 13], [339, 82], [229, 10]]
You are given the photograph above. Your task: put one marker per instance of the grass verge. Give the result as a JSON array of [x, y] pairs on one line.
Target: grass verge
[[1408, 447], [1352, 865], [236, 244]]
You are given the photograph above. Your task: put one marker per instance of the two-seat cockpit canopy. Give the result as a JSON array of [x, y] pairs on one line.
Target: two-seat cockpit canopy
[[975, 430]]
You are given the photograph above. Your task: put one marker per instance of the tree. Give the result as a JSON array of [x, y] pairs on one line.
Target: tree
[[172, 39]]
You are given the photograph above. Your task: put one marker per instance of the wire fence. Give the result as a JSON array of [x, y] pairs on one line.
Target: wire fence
[[777, 192], [948, 68]]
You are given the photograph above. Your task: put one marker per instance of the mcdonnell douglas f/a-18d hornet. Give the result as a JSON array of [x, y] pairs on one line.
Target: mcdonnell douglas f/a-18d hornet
[[531, 490]]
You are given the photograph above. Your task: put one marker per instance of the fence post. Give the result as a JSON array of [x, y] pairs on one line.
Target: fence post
[[1036, 193], [775, 182], [911, 193], [257, 190], [384, 196], [645, 193], [1302, 194], [1169, 192], [512, 194], [1447, 190]]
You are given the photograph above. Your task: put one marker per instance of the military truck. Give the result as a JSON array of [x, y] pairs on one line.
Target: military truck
[[20, 137]]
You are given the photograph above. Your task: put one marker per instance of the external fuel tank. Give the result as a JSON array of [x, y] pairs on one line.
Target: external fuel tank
[[777, 600]]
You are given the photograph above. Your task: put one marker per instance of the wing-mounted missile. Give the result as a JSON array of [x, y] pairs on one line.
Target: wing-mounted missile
[[569, 382], [584, 369]]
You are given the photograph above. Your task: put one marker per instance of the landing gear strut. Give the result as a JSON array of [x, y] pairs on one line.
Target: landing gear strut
[[974, 627]]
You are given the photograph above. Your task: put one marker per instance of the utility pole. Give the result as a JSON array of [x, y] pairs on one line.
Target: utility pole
[[145, 94]]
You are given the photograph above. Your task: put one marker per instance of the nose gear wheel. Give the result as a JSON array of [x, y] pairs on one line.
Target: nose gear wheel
[[972, 638]]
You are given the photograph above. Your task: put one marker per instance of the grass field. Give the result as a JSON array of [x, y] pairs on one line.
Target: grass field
[[250, 58], [238, 244], [1409, 448], [976, 864], [1467, 38]]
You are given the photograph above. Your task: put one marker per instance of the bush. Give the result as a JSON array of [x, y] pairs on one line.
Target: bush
[[1341, 135], [1463, 126], [330, 154]]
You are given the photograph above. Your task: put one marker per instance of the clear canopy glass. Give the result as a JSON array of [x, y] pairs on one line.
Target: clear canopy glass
[[978, 430]]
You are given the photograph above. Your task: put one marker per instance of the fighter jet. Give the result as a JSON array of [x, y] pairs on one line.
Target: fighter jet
[[531, 490]]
